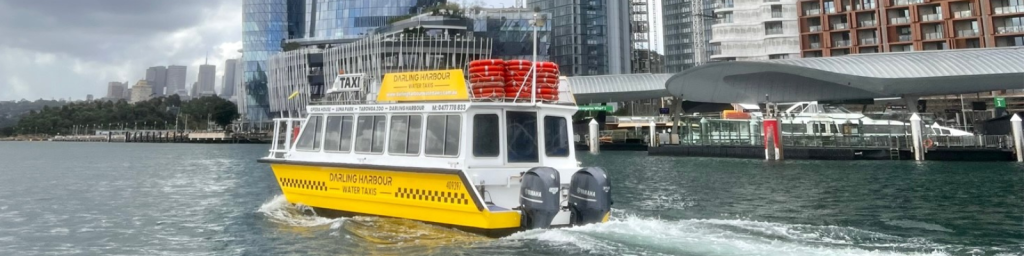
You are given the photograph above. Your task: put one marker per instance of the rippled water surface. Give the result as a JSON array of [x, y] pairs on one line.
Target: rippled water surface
[[182, 199]]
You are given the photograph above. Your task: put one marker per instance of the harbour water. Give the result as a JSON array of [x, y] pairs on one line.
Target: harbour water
[[188, 199]]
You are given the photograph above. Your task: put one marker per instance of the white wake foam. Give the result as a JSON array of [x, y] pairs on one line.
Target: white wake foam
[[726, 237], [279, 210]]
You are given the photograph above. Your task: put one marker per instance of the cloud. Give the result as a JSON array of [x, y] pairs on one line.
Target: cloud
[[67, 49]]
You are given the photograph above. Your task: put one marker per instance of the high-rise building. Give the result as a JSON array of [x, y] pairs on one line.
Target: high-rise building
[[88, 97], [207, 80], [115, 90], [589, 38], [753, 30], [176, 80], [836, 28], [512, 33], [269, 23], [227, 83], [156, 77], [687, 29], [265, 27], [194, 91], [141, 91]]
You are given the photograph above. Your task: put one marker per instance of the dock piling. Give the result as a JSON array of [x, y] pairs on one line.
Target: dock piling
[[595, 141], [654, 136], [915, 130], [1017, 143]]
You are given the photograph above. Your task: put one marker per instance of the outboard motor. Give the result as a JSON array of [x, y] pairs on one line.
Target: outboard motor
[[590, 196], [538, 197]]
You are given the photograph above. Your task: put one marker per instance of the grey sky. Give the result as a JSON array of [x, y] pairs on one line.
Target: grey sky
[[70, 48]]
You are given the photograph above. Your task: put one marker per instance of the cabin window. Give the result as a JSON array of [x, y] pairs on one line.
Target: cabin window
[[794, 128], [370, 134], [405, 134], [521, 133], [443, 135], [556, 136], [486, 141], [311, 135], [338, 134]]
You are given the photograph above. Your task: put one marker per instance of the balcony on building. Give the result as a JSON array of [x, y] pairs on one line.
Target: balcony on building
[[773, 28], [961, 10], [813, 25], [900, 34], [811, 8], [1000, 7], [932, 31], [1008, 41], [901, 48], [813, 42], [1008, 25], [778, 56], [772, 1], [838, 23], [724, 4], [971, 43], [724, 17], [812, 54], [899, 16], [928, 13], [840, 52], [869, 49], [934, 46], [867, 37], [966, 28], [830, 7], [905, 2], [840, 39], [866, 20], [776, 11], [865, 5]]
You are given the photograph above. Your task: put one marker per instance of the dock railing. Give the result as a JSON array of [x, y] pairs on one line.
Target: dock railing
[[285, 131]]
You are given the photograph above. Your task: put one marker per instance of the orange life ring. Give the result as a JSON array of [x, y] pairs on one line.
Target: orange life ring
[[517, 62], [488, 73], [489, 95], [527, 68], [490, 62], [487, 85], [928, 143], [540, 90], [526, 96], [547, 64], [527, 84], [488, 90], [295, 134], [486, 68], [527, 74], [483, 79], [539, 79]]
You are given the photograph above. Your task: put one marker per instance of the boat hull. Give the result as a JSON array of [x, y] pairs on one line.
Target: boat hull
[[439, 196]]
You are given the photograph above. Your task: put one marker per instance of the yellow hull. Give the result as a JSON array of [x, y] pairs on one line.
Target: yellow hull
[[436, 196]]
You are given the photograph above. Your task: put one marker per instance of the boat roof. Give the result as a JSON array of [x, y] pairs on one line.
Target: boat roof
[[441, 106]]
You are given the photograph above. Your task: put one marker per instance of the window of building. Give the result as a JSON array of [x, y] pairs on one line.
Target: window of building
[[443, 135], [776, 11], [338, 134], [521, 131], [370, 134], [778, 56], [556, 136], [773, 28], [309, 140], [725, 18], [405, 134], [486, 141]]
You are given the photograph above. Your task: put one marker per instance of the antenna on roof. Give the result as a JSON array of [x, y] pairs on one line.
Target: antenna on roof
[[207, 57]]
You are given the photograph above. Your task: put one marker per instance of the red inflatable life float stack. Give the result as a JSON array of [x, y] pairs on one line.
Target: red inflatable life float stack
[[487, 78], [512, 79]]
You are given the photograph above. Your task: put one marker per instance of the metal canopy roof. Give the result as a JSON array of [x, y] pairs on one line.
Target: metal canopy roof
[[853, 76], [618, 88]]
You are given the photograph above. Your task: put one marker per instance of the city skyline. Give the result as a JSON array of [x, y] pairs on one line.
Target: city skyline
[[91, 43]]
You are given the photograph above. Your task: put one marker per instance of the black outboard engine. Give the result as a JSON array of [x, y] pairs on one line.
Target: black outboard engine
[[590, 196], [538, 197]]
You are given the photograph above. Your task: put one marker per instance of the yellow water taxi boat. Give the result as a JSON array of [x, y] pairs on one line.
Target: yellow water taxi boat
[[425, 151]]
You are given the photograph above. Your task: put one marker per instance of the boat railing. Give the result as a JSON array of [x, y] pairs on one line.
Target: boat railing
[[970, 142], [285, 133]]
